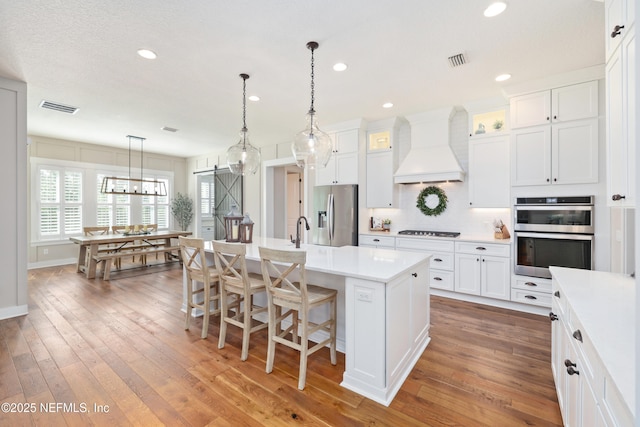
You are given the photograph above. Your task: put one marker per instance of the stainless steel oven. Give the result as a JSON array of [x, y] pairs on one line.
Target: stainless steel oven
[[553, 231]]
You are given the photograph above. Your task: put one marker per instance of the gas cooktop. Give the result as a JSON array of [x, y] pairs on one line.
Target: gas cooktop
[[429, 233]]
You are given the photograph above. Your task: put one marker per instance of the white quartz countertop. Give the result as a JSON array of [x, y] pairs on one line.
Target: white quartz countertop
[[381, 265], [605, 305], [464, 237]]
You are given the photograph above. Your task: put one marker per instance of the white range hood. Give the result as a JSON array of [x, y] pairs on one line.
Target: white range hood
[[430, 158]]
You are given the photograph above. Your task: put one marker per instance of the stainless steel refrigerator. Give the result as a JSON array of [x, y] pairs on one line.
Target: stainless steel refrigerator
[[335, 210]]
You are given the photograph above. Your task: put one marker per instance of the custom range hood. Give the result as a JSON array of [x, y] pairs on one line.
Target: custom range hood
[[430, 158]]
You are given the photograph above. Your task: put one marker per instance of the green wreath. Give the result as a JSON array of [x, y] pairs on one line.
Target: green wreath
[[422, 203]]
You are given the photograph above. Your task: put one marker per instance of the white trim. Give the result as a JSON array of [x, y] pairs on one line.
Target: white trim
[[51, 263], [15, 311], [510, 305]]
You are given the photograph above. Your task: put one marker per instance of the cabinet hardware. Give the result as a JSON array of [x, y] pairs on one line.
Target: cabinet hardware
[[569, 363], [414, 274], [547, 118], [530, 297], [553, 316], [556, 294], [439, 279], [578, 335], [481, 248], [555, 179], [555, 117], [572, 371], [530, 284], [437, 259], [547, 179], [376, 240], [616, 31], [617, 197]]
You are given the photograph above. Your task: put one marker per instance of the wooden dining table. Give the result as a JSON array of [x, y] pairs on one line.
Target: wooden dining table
[[125, 244]]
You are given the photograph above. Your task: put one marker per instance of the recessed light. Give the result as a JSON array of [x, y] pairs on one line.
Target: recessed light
[[147, 54], [254, 98], [387, 105], [495, 9], [340, 66], [503, 77]]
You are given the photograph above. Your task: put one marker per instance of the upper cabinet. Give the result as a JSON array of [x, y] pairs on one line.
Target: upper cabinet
[[382, 162], [487, 123], [620, 103], [563, 104], [554, 138], [489, 182], [343, 165]]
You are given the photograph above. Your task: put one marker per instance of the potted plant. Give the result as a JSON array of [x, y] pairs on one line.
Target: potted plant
[[182, 210], [386, 224]]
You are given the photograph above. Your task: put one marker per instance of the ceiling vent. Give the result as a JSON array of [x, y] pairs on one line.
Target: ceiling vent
[[58, 107], [169, 129], [457, 60]]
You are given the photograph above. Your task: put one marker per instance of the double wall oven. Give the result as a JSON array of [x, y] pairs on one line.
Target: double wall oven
[[556, 231]]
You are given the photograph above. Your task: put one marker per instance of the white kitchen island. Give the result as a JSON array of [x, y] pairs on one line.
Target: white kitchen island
[[383, 309]]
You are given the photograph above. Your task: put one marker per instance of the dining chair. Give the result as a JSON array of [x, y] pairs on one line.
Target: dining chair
[[148, 227], [283, 272], [197, 270], [94, 231], [237, 288]]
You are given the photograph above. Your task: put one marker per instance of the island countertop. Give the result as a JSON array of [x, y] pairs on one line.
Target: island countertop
[[376, 264]]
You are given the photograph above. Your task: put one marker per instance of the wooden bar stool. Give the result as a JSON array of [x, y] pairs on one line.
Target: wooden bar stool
[[237, 288], [279, 269], [195, 264]]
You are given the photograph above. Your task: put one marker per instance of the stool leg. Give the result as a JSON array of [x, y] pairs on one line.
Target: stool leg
[[223, 313]]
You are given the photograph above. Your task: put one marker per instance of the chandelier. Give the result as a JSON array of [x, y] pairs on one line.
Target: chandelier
[[311, 147], [133, 186], [243, 158]]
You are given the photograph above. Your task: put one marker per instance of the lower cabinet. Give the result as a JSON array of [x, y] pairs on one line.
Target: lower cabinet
[[483, 269], [442, 259]]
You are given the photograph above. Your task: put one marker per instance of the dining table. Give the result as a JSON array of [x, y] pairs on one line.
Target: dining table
[[121, 243]]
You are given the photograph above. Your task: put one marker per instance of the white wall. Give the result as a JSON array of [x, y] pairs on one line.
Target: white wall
[[13, 173]]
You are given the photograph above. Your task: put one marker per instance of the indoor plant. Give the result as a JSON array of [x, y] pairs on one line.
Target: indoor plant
[[182, 210]]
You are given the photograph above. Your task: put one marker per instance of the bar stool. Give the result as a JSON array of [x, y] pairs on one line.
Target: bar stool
[[279, 268], [195, 264], [237, 288]]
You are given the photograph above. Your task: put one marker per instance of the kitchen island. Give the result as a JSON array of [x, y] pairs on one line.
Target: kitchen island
[[383, 309]]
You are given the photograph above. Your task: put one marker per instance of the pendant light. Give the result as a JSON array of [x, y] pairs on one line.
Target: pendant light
[[243, 158], [312, 147], [133, 186]]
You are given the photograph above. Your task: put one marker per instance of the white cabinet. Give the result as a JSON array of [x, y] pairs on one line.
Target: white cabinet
[[568, 103], [380, 186], [619, 20], [531, 290], [482, 269], [565, 153], [620, 105], [343, 165], [376, 241], [489, 172], [555, 136], [441, 264]]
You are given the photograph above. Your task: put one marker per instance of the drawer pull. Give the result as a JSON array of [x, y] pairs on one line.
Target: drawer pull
[[556, 294], [617, 197], [578, 335], [376, 240], [531, 284], [568, 363], [481, 248], [414, 274], [437, 259], [530, 297], [572, 371], [439, 279], [553, 316], [616, 31]]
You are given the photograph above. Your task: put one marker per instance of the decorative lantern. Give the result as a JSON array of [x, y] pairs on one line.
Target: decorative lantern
[[232, 224], [246, 229]]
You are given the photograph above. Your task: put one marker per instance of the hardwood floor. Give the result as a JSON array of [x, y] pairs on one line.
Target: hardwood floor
[[115, 353]]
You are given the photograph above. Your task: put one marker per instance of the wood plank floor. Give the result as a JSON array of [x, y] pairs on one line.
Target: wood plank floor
[[115, 353]]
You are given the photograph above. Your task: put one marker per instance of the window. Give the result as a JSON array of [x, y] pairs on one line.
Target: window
[[66, 197], [59, 203]]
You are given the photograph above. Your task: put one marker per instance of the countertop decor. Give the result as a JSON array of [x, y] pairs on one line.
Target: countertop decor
[[432, 201]]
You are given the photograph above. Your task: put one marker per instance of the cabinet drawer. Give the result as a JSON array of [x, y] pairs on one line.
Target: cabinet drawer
[[379, 241], [427, 245], [532, 284], [475, 248], [531, 297], [615, 408], [441, 261], [441, 279]]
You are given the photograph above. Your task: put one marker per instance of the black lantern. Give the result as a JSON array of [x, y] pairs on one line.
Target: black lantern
[[232, 224], [246, 229]]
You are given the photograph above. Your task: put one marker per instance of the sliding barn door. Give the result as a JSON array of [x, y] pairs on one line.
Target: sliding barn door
[[228, 192]]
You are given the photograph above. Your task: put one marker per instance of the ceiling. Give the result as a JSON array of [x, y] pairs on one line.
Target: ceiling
[[82, 53]]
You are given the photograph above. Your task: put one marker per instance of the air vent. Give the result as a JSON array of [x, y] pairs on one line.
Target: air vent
[[457, 60], [169, 129], [58, 107]]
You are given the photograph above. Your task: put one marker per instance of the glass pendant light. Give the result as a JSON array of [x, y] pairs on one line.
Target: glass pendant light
[[311, 147], [243, 158]]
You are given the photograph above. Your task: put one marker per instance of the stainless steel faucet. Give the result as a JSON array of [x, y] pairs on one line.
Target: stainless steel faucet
[[297, 242]]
